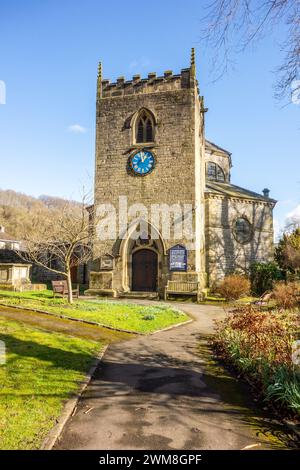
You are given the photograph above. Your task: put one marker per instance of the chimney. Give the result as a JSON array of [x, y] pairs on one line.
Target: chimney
[[266, 192], [2, 229]]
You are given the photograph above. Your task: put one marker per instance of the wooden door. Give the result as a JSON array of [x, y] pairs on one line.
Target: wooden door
[[74, 274], [144, 271]]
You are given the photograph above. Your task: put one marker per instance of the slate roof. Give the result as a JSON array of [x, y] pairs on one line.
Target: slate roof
[[230, 190], [215, 148]]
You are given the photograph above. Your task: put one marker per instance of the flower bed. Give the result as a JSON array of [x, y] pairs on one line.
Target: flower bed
[[261, 346]]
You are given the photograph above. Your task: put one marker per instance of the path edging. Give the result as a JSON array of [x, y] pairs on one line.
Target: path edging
[[70, 405], [171, 327]]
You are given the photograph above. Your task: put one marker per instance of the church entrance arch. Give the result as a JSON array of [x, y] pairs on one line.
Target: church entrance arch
[[143, 260]]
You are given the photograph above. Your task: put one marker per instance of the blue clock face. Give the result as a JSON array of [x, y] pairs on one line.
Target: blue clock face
[[142, 162]]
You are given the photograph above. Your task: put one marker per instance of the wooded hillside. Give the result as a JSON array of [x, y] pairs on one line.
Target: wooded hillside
[[17, 209]]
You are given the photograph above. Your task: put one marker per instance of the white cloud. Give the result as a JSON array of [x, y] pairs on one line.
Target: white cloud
[[293, 217], [77, 129]]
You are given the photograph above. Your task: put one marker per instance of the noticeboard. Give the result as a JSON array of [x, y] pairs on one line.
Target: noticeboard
[[178, 258]]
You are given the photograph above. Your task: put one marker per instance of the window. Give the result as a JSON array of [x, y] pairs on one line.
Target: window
[[242, 230], [144, 127], [20, 273], [215, 172], [3, 274]]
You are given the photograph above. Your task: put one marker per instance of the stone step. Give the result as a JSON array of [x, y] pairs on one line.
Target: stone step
[[139, 295]]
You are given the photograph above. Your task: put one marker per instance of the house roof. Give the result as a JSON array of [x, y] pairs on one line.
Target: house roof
[[215, 148], [230, 190]]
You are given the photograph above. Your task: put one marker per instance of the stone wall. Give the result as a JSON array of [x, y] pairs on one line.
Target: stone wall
[[224, 254], [40, 274]]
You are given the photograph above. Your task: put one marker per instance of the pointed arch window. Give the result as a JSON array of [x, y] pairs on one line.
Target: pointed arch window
[[144, 128], [215, 172]]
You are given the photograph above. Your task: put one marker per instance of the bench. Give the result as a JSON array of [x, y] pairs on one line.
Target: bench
[[183, 288], [61, 288]]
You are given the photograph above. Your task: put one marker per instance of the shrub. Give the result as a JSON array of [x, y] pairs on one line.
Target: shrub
[[233, 287], [286, 295], [285, 388], [260, 345], [263, 276]]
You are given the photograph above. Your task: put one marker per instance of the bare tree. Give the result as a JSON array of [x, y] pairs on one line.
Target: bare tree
[[230, 26], [58, 243]]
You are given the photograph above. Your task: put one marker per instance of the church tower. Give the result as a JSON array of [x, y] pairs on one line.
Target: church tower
[[149, 183]]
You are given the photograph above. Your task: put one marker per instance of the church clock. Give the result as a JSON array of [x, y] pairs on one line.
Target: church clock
[[142, 162]]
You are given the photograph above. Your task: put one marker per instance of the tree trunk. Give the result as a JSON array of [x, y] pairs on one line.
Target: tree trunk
[[69, 282]]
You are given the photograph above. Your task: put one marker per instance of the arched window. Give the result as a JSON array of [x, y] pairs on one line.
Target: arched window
[[144, 127], [215, 172]]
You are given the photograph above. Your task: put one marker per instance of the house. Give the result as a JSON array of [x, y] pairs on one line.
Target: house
[[7, 241]]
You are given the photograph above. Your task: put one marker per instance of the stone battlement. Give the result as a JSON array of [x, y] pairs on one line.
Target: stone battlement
[[151, 84]]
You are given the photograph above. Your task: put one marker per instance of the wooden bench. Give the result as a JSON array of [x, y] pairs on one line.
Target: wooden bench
[[61, 288], [183, 288]]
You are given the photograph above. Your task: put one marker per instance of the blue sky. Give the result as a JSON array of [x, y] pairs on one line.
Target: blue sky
[[49, 52]]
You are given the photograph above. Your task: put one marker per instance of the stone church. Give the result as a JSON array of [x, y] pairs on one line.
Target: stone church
[[151, 151]]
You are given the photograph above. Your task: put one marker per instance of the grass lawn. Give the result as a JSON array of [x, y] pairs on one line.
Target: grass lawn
[[42, 370], [128, 316]]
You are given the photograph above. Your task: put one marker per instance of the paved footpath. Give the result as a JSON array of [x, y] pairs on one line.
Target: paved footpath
[[161, 392]]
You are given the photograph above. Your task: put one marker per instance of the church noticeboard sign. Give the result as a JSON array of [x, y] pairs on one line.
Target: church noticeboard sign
[[178, 258]]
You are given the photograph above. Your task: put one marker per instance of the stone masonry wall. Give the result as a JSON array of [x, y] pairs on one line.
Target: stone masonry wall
[[224, 255]]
